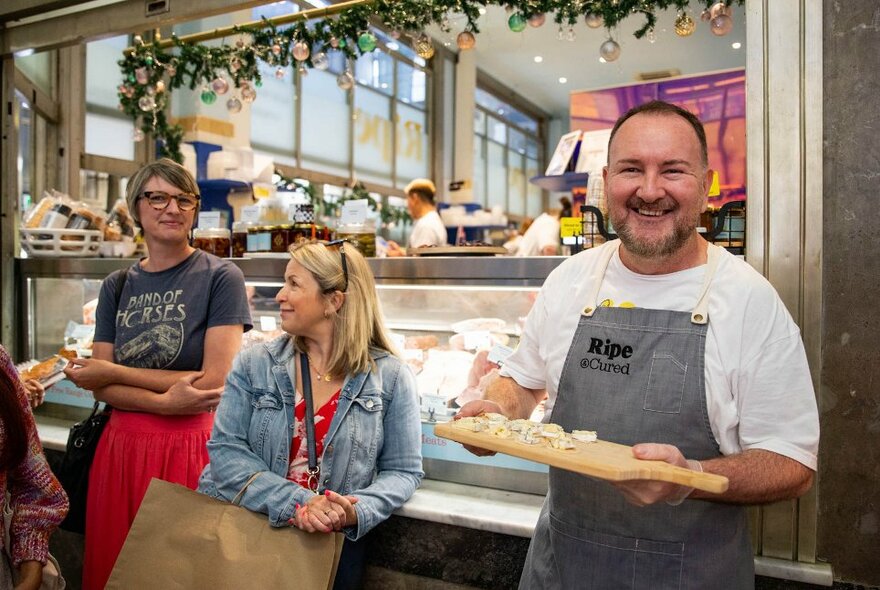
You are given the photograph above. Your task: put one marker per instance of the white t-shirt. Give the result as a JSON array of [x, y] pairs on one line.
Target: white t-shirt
[[758, 387], [544, 231], [428, 230]]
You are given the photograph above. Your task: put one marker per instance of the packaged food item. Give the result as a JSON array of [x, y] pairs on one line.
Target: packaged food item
[[215, 240], [57, 217], [34, 217], [363, 235], [120, 216], [239, 238], [259, 239]]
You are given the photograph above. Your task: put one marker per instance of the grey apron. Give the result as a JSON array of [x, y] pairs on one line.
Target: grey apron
[[637, 375]]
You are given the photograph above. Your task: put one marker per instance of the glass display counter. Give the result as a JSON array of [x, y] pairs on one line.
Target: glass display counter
[[441, 312]]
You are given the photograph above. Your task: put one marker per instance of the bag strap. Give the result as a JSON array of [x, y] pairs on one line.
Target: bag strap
[[306, 379], [237, 499]]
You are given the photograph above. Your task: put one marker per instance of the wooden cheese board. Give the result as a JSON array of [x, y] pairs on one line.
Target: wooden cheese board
[[457, 251], [600, 459]]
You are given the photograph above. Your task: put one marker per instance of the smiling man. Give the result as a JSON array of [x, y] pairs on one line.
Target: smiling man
[[662, 341]]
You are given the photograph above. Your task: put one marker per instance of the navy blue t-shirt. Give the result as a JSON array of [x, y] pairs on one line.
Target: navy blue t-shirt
[[163, 316]]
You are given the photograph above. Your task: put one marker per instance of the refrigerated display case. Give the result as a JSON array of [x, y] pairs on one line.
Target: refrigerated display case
[[441, 312]]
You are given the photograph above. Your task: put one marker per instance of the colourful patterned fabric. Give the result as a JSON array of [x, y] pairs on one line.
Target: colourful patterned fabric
[[299, 453], [39, 502]]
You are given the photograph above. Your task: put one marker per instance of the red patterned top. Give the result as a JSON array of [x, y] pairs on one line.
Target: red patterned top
[[40, 503], [298, 471]]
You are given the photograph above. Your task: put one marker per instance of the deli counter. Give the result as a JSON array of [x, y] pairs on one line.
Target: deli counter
[[441, 312]]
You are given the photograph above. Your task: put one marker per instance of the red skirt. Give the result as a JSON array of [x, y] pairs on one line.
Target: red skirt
[[134, 448]]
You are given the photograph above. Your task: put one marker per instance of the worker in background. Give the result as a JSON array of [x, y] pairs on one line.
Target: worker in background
[[428, 229]]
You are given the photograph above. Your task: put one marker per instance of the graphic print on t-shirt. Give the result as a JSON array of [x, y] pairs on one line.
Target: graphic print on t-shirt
[[157, 318]]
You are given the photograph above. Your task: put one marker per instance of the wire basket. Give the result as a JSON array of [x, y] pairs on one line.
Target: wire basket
[[44, 242]]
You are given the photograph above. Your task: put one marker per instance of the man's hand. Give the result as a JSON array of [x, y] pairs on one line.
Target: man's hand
[[475, 408], [644, 492], [183, 398], [394, 250], [91, 373], [35, 392]]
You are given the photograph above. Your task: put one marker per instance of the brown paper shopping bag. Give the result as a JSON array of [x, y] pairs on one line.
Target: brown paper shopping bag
[[183, 539]]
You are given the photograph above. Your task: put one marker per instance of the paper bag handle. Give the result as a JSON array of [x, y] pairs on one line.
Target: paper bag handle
[[237, 499]]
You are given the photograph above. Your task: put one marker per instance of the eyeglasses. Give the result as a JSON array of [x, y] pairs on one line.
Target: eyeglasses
[[159, 200], [340, 244]]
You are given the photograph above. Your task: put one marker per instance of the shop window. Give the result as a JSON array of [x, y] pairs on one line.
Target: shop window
[[108, 132], [273, 116], [480, 169], [375, 70], [496, 175], [373, 150], [412, 85], [516, 183], [326, 125], [411, 144]]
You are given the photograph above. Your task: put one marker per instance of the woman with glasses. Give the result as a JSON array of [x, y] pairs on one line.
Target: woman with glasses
[[167, 330], [366, 461]]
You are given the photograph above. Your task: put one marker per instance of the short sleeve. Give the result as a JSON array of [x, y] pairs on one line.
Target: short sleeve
[[105, 314], [526, 366], [229, 302]]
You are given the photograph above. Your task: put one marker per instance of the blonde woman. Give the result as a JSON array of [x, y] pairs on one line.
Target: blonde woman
[[366, 414]]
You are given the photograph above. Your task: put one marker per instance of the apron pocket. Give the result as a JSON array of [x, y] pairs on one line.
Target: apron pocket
[[665, 384], [591, 560]]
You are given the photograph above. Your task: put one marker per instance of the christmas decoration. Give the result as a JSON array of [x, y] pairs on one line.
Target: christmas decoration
[[684, 25], [424, 47], [516, 22], [233, 105], [220, 85], [300, 51], [367, 42], [465, 40], [320, 61], [345, 27], [609, 50], [345, 80]]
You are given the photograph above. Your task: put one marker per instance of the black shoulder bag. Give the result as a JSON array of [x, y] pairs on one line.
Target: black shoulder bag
[[73, 472]]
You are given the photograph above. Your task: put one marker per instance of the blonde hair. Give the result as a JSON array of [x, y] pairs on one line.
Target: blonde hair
[[423, 188], [169, 171], [358, 323]]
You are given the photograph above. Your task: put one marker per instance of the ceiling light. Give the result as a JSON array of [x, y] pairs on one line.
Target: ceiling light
[[736, 44], [538, 59], [563, 80]]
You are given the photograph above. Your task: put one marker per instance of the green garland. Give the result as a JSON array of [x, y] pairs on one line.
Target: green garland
[[151, 72]]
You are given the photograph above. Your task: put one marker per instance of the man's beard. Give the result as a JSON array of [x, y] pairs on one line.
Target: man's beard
[[682, 231]]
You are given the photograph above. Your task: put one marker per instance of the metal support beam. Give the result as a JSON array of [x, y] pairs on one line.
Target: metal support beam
[[8, 202], [127, 16]]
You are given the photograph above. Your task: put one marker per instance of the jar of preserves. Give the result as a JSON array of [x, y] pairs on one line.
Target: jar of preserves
[[363, 235], [215, 240], [239, 238], [259, 239], [279, 239]]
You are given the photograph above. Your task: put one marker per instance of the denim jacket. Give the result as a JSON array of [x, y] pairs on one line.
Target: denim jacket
[[372, 449]]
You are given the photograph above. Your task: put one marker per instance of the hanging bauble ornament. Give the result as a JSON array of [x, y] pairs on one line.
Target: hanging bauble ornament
[[721, 25], [300, 51], [234, 65], [536, 20], [395, 34], [705, 16], [717, 8], [508, 8], [142, 76], [171, 69], [560, 34], [208, 96], [239, 43], [334, 42], [594, 21], [258, 83], [160, 87], [150, 90], [424, 47], [220, 85], [651, 36], [345, 80], [233, 105], [248, 95], [320, 61], [367, 42], [279, 73], [684, 25], [465, 40], [609, 50], [146, 103], [570, 35], [128, 91], [138, 40], [148, 60], [516, 23], [276, 48], [137, 135], [444, 24]]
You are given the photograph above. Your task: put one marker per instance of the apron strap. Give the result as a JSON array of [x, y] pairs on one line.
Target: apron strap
[[700, 314], [593, 297]]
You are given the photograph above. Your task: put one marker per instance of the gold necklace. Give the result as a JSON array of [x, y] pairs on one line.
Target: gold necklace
[[321, 376]]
